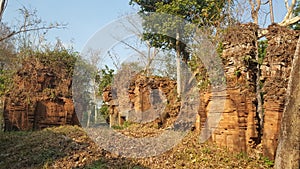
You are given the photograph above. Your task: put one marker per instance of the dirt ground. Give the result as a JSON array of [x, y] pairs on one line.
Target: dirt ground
[[70, 147]]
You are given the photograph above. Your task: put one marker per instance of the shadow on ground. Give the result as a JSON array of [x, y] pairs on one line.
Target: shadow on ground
[[59, 147]]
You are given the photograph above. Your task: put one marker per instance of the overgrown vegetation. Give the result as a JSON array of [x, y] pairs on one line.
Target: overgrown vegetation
[[57, 146], [5, 81], [262, 50], [105, 78], [296, 12]]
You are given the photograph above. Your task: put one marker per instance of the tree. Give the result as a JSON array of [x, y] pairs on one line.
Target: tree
[[296, 12], [29, 22], [255, 7], [148, 53], [287, 154], [290, 18], [203, 13], [271, 11], [3, 4]]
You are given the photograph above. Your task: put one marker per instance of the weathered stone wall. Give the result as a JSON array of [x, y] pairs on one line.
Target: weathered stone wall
[[275, 75], [237, 128], [149, 99], [40, 97]]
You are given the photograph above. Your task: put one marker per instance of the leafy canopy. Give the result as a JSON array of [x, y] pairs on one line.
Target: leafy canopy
[[296, 12], [202, 13]]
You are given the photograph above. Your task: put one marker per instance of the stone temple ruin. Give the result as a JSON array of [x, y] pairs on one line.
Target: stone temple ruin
[[41, 96], [239, 128], [145, 94]]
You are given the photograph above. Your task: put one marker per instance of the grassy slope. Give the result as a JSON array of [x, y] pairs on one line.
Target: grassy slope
[[70, 147]]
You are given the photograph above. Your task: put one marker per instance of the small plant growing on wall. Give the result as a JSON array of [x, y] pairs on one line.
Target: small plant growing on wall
[[237, 73]]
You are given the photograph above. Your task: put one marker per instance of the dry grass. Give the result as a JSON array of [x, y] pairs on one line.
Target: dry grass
[[70, 147]]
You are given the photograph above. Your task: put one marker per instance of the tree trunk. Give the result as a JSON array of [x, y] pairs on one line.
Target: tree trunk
[[259, 108], [88, 119], [96, 115], [2, 113], [178, 65], [255, 7], [2, 7], [271, 11], [288, 150]]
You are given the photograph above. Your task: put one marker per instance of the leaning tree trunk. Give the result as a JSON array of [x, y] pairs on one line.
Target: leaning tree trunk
[[2, 7], [178, 65], [288, 150], [2, 113]]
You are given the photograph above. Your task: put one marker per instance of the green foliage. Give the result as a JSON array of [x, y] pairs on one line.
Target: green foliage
[[262, 50], [241, 155], [220, 49], [267, 161], [237, 73], [200, 72], [206, 150], [296, 12], [61, 57], [105, 79], [99, 164], [202, 13], [125, 125], [5, 81], [104, 111], [7, 59], [50, 93]]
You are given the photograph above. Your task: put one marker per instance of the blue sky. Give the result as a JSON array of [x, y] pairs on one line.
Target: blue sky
[[85, 18]]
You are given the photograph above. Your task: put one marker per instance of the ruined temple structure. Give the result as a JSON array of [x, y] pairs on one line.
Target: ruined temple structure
[[276, 70], [41, 95], [239, 128], [144, 99], [40, 98]]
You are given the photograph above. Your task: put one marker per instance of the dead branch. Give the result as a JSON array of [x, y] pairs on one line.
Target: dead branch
[[289, 19], [21, 30]]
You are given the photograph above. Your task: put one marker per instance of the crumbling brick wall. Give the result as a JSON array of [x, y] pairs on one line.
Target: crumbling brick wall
[[40, 97]]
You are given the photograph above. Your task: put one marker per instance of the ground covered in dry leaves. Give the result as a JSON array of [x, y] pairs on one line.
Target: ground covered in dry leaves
[[70, 147]]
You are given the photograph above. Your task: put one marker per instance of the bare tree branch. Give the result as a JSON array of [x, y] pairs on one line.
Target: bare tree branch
[[271, 11], [29, 22], [115, 59], [286, 4], [289, 19], [22, 30], [148, 57], [133, 48], [255, 7]]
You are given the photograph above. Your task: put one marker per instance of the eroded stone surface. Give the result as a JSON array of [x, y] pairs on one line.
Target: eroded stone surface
[[276, 70], [238, 130], [40, 98]]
